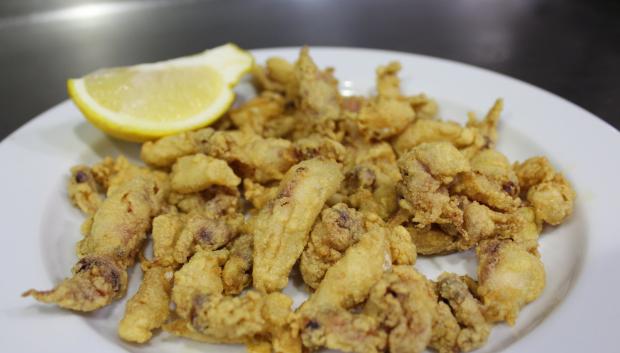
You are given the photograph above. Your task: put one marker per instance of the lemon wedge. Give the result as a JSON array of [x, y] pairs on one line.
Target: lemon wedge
[[147, 101]]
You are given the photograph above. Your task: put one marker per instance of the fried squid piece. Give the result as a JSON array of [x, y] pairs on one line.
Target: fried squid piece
[[118, 230], [446, 330], [255, 113], [371, 176], [510, 275], [491, 181], [208, 231], [83, 190], [425, 130], [113, 173], [387, 114], [432, 240], [404, 303], [198, 172], [319, 146], [147, 310], [251, 156], [199, 278], [346, 283], [424, 107], [165, 232], [485, 129], [258, 195], [249, 318], [546, 190], [278, 75], [317, 100], [473, 329], [334, 232], [282, 227], [165, 151], [427, 170], [337, 328], [401, 247], [479, 222], [236, 274]]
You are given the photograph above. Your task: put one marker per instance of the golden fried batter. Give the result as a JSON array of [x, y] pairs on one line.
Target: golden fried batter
[[405, 304], [245, 318], [491, 181], [549, 193], [200, 277], [236, 274], [83, 190], [148, 308], [346, 283], [334, 232], [427, 170], [198, 172], [468, 312], [510, 275], [116, 235], [282, 227]]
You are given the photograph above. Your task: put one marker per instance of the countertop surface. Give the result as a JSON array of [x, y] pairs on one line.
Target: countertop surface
[[571, 48]]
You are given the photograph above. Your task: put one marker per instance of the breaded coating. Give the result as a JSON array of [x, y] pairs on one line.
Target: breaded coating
[[248, 318], [431, 240], [427, 170], [334, 232], [278, 75], [510, 275], [548, 191], [147, 310], [337, 328], [165, 151], [236, 274], [401, 247], [198, 172], [371, 175], [446, 330], [258, 195], [491, 181], [404, 303], [425, 130], [251, 156], [317, 100], [165, 232], [425, 108], [95, 283], [346, 283], [282, 227], [468, 312], [116, 235], [254, 114], [479, 222], [206, 231], [199, 278], [387, 114], [111, 174], [319, 146], [83, 190]]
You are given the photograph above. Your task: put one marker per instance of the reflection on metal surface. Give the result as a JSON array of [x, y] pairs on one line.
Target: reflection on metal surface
[[87, 11]]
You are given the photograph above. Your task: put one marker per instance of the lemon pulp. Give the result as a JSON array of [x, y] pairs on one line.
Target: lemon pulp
[[164, 95]]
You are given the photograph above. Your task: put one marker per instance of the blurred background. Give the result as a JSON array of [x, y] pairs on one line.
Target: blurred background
[[569, 47]]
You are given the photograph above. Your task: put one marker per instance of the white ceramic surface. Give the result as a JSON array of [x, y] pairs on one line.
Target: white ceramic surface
[[577, 312]]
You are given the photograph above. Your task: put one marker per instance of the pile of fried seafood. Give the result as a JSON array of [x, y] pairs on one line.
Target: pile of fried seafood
[[346, 191]]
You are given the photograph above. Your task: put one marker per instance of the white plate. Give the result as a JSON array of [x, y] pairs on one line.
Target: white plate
[[577, 312]]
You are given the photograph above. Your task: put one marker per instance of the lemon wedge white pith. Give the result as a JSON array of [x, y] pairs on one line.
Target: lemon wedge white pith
[[147, 101]]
